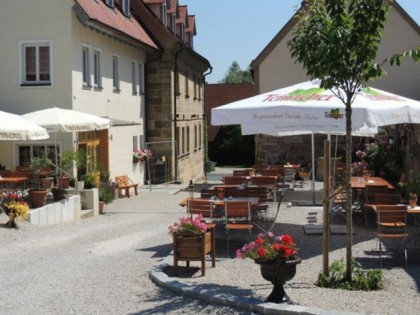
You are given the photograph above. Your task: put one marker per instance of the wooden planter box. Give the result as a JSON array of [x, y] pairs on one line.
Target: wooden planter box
[[189, 246]]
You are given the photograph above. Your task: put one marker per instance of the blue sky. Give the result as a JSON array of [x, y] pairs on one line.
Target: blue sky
[[238, 30]]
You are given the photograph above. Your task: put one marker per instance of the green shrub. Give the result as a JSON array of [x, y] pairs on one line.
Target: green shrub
[[363, 280]]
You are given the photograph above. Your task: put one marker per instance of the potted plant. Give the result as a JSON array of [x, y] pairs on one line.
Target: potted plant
[[38, 196], [141, 155], [106, 190], [277, 257], [59, 193], [192, 241], [67, 160], [90, 180], [412, 199], [14, 206]]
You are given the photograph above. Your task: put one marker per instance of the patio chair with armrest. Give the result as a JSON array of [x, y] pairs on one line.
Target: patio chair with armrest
[[392, 225], [237, 218]]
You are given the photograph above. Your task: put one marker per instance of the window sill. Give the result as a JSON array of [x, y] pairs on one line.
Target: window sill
[[87, 87], [117, 91], [98, 88], [36, 84]]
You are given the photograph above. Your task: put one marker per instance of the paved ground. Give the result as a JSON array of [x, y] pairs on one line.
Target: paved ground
[[102, 265]]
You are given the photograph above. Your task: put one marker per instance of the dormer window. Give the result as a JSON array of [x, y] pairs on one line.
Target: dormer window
[[109, 3], [173, 23], [126, 7], [183, 32], [164, 15]]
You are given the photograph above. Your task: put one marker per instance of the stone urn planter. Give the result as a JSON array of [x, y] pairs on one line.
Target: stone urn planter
[[278, 275], [191, 246]]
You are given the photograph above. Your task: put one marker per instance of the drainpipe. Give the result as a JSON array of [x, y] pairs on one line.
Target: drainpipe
[[206, 142], [175, 113]]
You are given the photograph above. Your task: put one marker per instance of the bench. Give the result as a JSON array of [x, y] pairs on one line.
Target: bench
[[124, 183]]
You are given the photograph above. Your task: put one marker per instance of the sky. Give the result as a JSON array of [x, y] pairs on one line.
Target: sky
[[238, 30]]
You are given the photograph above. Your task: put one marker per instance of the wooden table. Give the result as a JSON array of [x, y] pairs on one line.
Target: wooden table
[[9, 181], [360, 182], [217, 202]]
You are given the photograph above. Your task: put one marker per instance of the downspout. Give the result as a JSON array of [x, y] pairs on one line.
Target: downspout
[[175, 113], [206, 142]]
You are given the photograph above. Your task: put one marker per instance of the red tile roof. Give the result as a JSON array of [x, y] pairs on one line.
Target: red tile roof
[[172, 6], [100, 12], [191, 24], [182, 14], [220, 94]]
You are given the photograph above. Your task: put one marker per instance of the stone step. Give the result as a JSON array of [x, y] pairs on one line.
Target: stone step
[[86, 213]]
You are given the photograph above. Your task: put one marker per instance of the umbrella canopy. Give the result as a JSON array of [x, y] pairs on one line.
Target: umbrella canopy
[[307, 107], [66, 120], [14, 127]]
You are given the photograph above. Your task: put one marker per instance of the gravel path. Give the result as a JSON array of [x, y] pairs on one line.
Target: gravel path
[[98, 265], [101, 265]]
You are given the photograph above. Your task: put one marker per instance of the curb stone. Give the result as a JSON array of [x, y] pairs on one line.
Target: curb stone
[[159, 277]]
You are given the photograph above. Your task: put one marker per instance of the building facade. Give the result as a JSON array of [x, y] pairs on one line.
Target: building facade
[[106, 58]]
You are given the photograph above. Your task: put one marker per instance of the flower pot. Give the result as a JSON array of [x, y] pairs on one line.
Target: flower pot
[[278, 275], [135, 159], [190, 246], [80, 185], [38, 197], [47, 182], [101, 207], [58, 194], [63, 182]]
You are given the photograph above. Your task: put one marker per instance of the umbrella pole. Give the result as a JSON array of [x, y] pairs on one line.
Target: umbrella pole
[[313, 167]]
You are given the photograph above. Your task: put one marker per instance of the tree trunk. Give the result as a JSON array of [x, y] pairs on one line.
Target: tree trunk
[[349, 216]]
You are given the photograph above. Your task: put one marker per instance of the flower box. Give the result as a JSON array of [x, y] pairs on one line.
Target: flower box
[[191, 246]]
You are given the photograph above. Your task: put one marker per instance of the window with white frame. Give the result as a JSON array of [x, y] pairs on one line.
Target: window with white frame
[[133, 77], [187, 145], [195, 138], [187, 92], [97, 75], [200, 140], [35, 62], [141, 79], [110, 3], [126, 7], [115, 75], [164, 14], [85, 66], [183, 32]]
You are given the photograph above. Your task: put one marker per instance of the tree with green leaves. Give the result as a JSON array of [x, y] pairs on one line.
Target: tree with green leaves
[[337, 42], [236, 75]]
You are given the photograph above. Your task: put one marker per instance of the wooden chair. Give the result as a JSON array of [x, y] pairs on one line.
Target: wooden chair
[[237, 218], [264, 180], [370, 193], [203, 207], [266, 220], [234, 180], [249, 172], [207, 193], [388, 199], [392, 224]]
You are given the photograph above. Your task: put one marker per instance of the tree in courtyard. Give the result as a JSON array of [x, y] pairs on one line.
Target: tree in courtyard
[[236, 75], [337, 41]]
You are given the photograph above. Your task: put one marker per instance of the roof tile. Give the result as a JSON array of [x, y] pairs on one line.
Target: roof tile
[[99, 11], [220, 94]]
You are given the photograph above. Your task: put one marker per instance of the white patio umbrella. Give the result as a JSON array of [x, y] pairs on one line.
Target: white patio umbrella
[[306, 108], [14, 127], [66, 120]]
